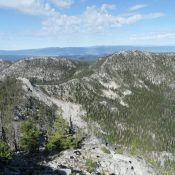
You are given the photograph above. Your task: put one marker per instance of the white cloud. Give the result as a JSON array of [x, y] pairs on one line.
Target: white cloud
[[137, 7], [93, 19], [106, 7], [135, 18], [32, 7], [63, 3], [59, 24], [153, 36]]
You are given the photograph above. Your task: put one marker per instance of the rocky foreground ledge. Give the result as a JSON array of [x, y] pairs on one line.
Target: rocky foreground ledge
[[92, 158], [96, 158]]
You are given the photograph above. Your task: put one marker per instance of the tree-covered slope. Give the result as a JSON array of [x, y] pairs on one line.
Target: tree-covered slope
[[131, 96], [16, 107]]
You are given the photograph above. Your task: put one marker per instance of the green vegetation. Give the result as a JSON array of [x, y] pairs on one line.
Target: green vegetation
[[53, 68], [32, 115], [11, 95], [169, 167], [166, 167], [146, 125], [105, 150], [40, 113], [90, 165], [4, 150], [16, 107], [60, 138], [30, 136]]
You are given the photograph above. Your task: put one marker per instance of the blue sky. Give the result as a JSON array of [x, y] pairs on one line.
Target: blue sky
[[26, 24]]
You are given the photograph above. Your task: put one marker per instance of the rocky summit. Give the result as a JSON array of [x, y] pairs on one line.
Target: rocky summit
[[112, 116]]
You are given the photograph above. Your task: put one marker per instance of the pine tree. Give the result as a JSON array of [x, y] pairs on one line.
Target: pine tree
[[4, 150], [30, 136]]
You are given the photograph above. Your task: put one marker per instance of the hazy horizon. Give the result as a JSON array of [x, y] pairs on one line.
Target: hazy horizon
[[90, 46]]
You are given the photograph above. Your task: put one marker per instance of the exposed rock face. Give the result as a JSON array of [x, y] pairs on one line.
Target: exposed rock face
[[68, 109]]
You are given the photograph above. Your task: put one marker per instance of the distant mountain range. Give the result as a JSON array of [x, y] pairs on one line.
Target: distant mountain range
[[87, 53]]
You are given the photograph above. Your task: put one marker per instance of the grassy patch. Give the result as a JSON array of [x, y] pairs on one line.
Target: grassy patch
[[90, 165], [105, 150]]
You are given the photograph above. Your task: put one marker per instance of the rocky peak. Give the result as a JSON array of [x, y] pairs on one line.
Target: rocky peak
[[43, 68]]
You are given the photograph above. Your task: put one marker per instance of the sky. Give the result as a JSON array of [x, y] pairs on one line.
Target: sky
[[28, 24]]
